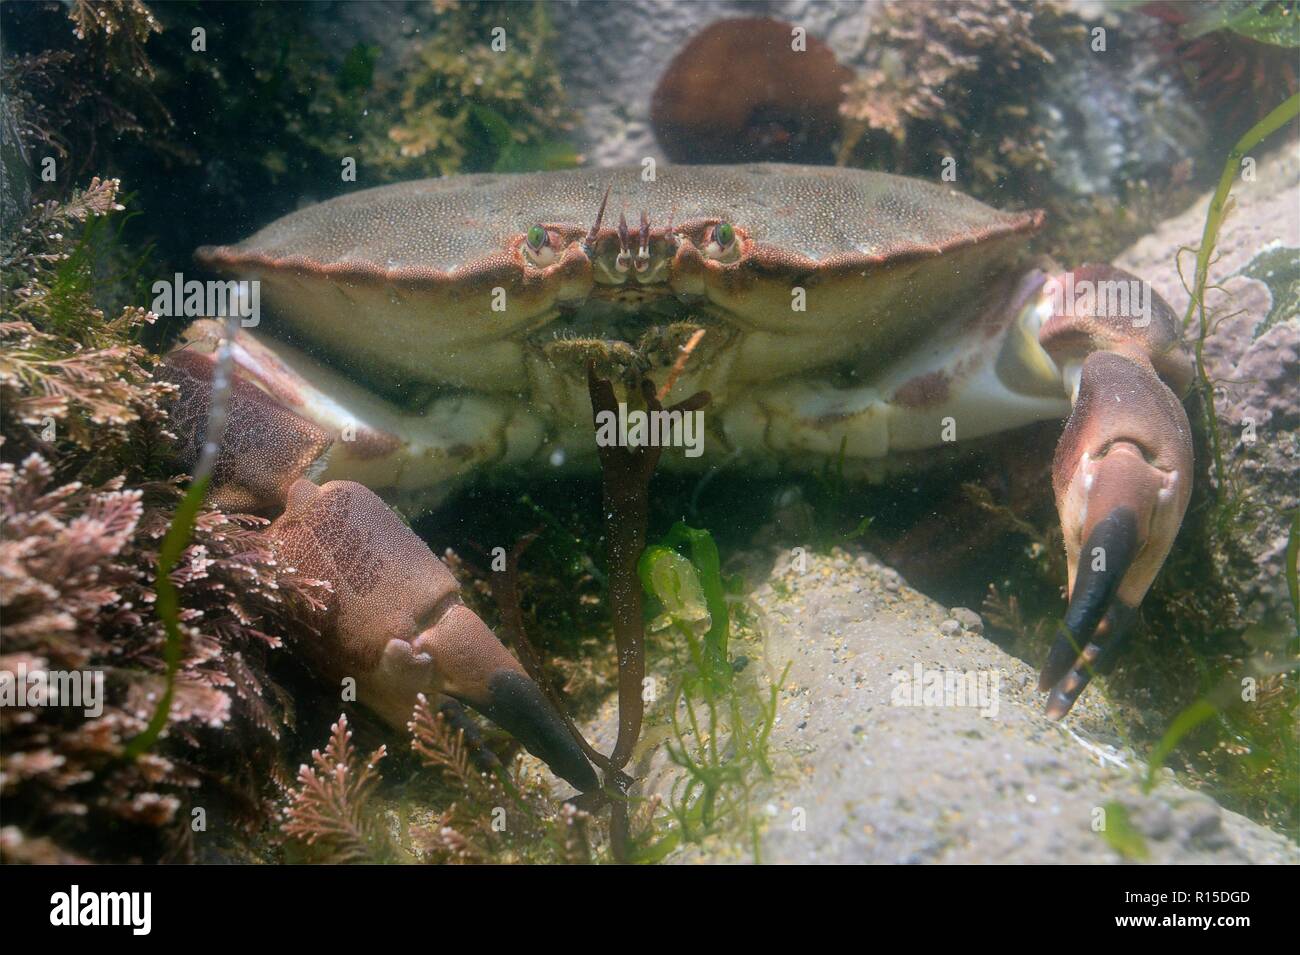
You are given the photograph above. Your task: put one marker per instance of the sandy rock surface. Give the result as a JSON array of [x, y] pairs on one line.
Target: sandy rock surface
[[871, 773]]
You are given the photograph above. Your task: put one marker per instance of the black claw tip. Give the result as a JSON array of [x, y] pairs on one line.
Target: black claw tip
[[1070, 686], [1103, 562], [1095, 622], [1058, 704], [1065, 650], [517, 705]]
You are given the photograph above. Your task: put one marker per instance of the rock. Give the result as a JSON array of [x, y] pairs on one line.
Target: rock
[[787, 110], [868, 771], [1254, 349], [615, 55], [1118, 115], [15, 188], [1153, 819], [1202, 824], [968, 619]]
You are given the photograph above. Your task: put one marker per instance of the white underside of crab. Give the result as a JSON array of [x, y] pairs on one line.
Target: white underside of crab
[[979, 372]]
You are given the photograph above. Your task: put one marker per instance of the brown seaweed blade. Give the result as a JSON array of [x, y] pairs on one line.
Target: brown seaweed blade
[[625, 476]]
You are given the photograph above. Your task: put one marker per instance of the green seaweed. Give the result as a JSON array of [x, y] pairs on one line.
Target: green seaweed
[[569, 549], [666, 578], [1121, 835], [465, 106], [168, 607], [1292, 578], [720, 717], [1183, 723], [1267, 21], [1279, 269], [1218, 210], [828, 493], [1264, 766]]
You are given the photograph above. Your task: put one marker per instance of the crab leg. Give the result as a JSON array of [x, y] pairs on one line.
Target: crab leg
[[981, 373], [1121, 475], [410, 457]]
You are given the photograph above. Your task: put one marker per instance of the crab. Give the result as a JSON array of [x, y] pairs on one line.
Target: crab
[[433, 330]]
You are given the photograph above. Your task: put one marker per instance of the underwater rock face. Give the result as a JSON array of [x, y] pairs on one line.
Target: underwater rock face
[[871, 771], [1117, 116], [1254, 347], [15, 190], [1106, 119]]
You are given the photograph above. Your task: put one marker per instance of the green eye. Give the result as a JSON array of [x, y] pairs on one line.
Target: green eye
[[724, 234], [537, 237]]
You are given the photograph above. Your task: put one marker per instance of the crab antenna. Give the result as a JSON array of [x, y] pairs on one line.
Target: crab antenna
[[623, 255], [595, 228], [643, 251]]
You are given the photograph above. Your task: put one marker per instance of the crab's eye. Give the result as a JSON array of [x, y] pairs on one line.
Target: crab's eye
[[539, 247], [722, 241]]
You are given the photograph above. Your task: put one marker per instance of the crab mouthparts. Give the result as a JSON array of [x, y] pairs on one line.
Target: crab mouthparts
[[619, 315], [627, 330]]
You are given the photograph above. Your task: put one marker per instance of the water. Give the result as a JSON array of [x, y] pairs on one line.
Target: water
[[848, 387]]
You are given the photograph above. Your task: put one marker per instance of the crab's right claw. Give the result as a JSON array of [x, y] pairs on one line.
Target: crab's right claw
[[1122, 476], [396, 624]]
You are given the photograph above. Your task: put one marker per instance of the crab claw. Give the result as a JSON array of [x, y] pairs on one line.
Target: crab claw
[[396, 625], [266, 447], [395, 622], [1122, 478]]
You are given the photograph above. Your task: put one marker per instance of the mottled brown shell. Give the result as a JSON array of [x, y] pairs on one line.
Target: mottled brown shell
[[436, 230]]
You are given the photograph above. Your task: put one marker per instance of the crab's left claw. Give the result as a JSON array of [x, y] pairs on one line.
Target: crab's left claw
[[265, 447], [396, 625], [1122, 474]]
